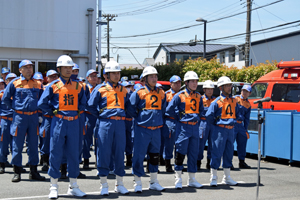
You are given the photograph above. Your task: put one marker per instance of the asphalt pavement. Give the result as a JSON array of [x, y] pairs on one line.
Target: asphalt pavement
[[278, 181]]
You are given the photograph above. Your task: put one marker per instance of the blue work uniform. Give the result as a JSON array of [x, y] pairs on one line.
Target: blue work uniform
[[205, 129], [222, 114], [66, 99], [189, 105], [45, 131], [169, 128], [128, 125], [22, 96], [241, 134], [5, 136], [147, 106], [90, 125], [82, 120], [108, 104]]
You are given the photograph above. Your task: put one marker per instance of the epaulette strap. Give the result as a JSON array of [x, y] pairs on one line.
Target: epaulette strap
[[185, 94], [121, 88], [146, 90], [157, 90], [102, 109], [106, 88], [57, 86], [77, 86]]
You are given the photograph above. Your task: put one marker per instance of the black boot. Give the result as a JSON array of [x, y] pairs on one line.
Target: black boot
[[45, 163], [162, 161], [17, 174], [86, 163], [169, 166], [198, 165], [147, 167], [2, 168], [243, 165], [129, 160], [34, 175], [63, 171], [7, 164], [81, 175], [208, 163]]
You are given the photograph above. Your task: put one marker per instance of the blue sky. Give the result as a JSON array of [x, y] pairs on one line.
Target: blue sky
[[133, 20]]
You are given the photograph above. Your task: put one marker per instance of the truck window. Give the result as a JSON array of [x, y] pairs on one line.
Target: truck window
[[286, 93], [258, 91]]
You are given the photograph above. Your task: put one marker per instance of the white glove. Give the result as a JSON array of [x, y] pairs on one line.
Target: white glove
[[40, 119]]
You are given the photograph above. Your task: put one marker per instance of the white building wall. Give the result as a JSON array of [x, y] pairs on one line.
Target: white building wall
[[161, 57], [284, 49], [43, 30]]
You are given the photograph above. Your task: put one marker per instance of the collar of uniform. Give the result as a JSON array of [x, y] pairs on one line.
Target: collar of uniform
[[64, 81], [207, 96], [23, 78], [111, 85], [241, 96], [190, 92], [222, 95], [90, 85], [149, 89], [172, 91]]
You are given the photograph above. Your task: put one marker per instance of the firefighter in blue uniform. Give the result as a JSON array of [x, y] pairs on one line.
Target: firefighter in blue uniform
[[91, 77], [147, 106], [5, 137], [128, 124], [51, 75], [6, 119], [22, 95], [168, 130], [4, 72], [64, 99], [221, 114], [241, 134], [186, 106], [205, 128], [108, 104]]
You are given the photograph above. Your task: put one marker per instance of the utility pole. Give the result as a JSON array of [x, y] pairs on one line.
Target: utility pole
[[108, 18], [248, 30]]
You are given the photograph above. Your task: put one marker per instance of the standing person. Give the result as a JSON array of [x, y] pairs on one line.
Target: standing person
[[142, 80], [147, 106], [108, 104], [241, 134], [91, 77], [4, 72], [168, 130], [5, 137], [51, 75], [222, 114], [188, 105], [205, 128], [22, 95], [67, 100]]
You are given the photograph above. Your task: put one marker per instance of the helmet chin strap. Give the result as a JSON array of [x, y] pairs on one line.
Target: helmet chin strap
[[108, 78], [187, 86], [223, 91]]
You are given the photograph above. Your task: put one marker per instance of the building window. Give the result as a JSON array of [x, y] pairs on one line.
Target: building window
[[182, 57], [46, 66], [195, 56], [3, 63], [222, 57], [15, 67], [241, 55], [232, 56]]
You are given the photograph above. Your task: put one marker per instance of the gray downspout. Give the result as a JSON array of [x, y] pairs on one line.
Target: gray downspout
[[89, 54]]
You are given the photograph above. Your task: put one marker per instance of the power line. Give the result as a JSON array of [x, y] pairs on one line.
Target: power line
[[190, 26], [227, 37]]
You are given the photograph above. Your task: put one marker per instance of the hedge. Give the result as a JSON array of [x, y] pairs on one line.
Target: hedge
[[208, 70]]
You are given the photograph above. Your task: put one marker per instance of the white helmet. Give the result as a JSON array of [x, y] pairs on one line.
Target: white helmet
[[149, 70], [190, 75], [64, 60], [223, 81], [112, 66], [208, 84]]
